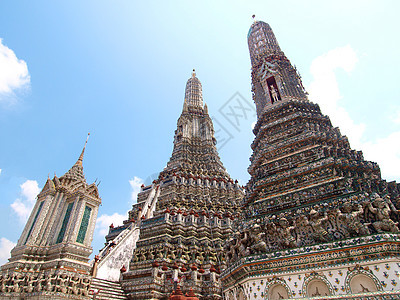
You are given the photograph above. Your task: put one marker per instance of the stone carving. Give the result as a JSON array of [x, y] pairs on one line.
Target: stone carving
[[284, 231], [316, 221], [55, 281], [381, 209], [351, 219], [256, 240]]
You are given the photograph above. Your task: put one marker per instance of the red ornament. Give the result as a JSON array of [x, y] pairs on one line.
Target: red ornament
[[191, 295], [201, 270], [123, 269], [212, 269]]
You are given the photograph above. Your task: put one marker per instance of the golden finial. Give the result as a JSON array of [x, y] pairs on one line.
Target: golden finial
[[194, 73], [254, 17], [80, 159]]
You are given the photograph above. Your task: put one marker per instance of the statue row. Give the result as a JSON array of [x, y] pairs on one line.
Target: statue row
[[358, 216], [66, 283], [200, 255]]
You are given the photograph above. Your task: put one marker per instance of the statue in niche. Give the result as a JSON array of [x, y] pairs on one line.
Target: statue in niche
[[85, 286], [41, 280], [274, 93], [49, 282], [62, 286], [351, 219], [17, 279], [286, 239], [380, 208], [73, 287], [30, 280], [320, 233]]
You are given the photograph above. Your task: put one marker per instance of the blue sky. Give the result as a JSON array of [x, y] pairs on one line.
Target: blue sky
[[118, 69]]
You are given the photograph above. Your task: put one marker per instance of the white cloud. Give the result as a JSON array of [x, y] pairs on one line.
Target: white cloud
[[386, 152], [136, 184], [324, 90], [104, 221], [14, 73], [23, 205], [5, 248], [0, 171]]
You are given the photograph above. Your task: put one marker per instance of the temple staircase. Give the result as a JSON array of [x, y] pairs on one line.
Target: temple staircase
[[102, 289], [112, 259]]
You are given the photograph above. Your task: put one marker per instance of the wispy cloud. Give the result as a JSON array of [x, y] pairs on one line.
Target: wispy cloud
[[104, 221], [136, 184], [5, 248], [324, 90], [23, 205], [14, 74]]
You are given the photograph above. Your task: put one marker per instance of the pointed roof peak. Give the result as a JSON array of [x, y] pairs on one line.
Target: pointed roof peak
[[194, 73], [80, 159], [76, 171]]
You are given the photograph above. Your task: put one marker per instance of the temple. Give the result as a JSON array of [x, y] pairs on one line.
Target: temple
[[318, 220], [184, 218], [51, 257], [315, 220]]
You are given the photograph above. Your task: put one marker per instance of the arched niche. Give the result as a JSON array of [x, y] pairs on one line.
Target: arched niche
[[277, 291], [240, 295], [317, 288], [362, 283], [229, 295]]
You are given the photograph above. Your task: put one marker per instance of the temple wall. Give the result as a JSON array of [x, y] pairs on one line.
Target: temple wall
[[372, 277]]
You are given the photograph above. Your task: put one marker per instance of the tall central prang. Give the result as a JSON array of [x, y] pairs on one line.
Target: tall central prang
[[181, 222], [319, 220]]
